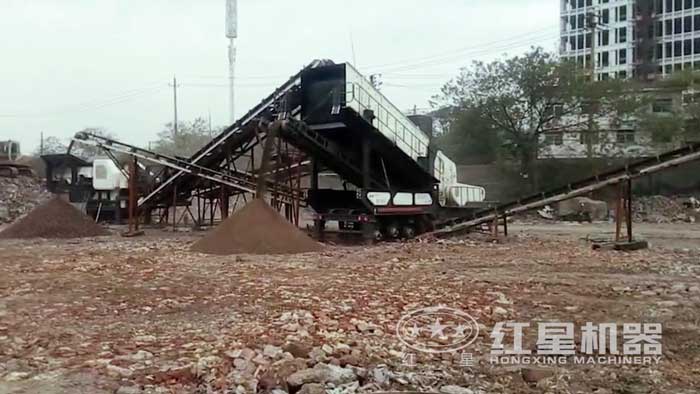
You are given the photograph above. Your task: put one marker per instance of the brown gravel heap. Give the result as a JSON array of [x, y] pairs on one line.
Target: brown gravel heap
[[54, 219], [256, 229]]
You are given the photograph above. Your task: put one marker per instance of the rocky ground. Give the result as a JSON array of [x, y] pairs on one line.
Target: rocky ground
[[146, 315]]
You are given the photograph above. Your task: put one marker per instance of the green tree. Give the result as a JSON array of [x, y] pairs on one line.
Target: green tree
[[524, 98], [190, 137], [469, 138], [679, 118]]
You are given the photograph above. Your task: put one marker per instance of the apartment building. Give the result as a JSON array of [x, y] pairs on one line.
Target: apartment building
[[633, 38]]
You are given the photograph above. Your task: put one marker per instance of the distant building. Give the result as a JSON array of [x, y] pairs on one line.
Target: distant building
[[9, 150], [615, 139], [634, 38]]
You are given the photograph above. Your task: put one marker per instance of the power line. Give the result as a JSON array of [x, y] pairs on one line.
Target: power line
[[460, 57], [519, 39], [453, 52], [119, 99]]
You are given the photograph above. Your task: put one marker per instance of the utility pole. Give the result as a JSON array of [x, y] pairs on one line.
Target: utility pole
[[592, 24], [232, 35], [175, 86]]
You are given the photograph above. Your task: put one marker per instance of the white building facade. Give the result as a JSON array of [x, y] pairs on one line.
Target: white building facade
[[632, 37]]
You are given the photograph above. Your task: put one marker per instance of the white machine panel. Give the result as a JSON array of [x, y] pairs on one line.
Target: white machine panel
[[390, 121], [107, 176]]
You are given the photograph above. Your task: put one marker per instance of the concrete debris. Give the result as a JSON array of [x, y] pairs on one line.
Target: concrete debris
[[129, 390], [18, 196], [326, 322], [322, 373], [312, 388], [663, 209], [455, 390], [535, 375], [582, 209]]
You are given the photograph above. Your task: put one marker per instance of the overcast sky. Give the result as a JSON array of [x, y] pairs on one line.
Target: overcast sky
[[70, 64]]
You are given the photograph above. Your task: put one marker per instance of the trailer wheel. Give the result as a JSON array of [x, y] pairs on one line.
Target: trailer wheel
[[408, 231], [393, 230]]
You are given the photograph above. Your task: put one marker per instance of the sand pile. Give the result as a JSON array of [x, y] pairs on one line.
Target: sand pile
[[54, 219], [256, 229]]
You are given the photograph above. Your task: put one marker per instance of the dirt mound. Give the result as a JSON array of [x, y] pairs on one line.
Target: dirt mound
[[54, 219], [256, 229]]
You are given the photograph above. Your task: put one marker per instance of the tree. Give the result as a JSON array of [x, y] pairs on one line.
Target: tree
[[51, 146], [87, 152], [55, 145], [524, 98], [673, 120], [468, 138], [190, 137]]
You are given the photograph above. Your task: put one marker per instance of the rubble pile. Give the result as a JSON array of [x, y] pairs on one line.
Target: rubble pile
[[256, 229], [660, 209], [18, 196], [54, 219]]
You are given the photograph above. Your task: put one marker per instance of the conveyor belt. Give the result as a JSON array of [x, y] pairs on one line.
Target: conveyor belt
[[234, 137], [639, 169]]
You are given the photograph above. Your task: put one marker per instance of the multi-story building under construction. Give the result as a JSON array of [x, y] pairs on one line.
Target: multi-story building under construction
[[633, 38]]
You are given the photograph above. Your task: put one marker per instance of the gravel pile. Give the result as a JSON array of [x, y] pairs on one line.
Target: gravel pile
[[256, 229], [54, 219], [19, 196]]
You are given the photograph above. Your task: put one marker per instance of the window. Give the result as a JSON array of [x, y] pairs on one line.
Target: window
[[606, 59], [662, 105], [605, 37], [606, 16], [622, 56], [687, 47], [625, 136], [622, 35], [678, 26], [687, 24], [622, 13], [677, 48], [584, 138], [669, 27], [554, 139]]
